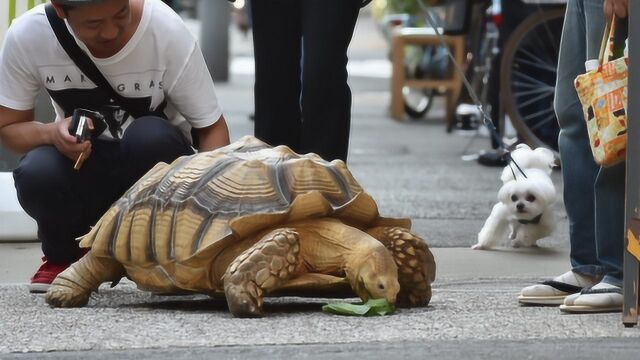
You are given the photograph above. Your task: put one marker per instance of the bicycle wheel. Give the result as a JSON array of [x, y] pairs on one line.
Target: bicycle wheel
[[425, 62], [528, 77], [417, 102]]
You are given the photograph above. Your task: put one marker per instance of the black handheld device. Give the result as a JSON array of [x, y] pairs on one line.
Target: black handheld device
[[79, 126]]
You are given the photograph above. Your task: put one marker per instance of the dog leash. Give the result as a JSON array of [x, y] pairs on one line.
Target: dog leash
[[511, 161], [486, 119]]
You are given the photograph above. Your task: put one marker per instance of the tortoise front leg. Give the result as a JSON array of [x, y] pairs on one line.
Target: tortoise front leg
[[72, 287], [265, 266], [416, 267]]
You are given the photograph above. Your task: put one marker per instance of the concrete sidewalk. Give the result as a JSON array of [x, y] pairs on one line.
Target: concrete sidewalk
[[413, 169]]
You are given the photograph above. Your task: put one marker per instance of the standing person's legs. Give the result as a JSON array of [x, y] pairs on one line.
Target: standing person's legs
[[609, 222], [610, 182], [580, 41], [514, 13], [327, 27], [277, 49]]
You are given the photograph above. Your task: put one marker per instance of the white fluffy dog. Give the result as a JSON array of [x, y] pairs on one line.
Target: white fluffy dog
[[523, 212]]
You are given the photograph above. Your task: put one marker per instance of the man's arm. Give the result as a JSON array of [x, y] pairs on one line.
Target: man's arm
[[20, 133], [619, 7], [213, 136]]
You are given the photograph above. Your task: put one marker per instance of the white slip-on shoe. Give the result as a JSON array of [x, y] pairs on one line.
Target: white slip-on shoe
[[569, 300], [554, 292], [600, 298]]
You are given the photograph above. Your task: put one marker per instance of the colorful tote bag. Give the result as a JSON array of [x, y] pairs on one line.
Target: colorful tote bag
[[603, 94]]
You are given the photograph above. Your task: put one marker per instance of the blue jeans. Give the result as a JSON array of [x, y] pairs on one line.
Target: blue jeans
[[593, 196], [65, 202]]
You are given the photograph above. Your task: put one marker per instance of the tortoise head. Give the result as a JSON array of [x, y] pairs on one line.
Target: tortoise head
[[376, 276]]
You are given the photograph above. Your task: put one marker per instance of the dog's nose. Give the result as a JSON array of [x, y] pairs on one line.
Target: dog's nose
[[520, 206]]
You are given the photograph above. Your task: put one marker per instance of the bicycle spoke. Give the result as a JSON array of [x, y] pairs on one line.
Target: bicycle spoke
[[539, 44], [534, 99], [545, 65], [535, 90], [530, 63], [526, 85], [532, 80], [550, 34], [543, 122], [539, 113]]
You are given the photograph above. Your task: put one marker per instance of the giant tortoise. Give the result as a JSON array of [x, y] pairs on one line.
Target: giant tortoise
[[247, 221]]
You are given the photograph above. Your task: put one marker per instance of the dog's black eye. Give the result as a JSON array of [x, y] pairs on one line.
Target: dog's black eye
[[381, 286], [531, 198], [514, 198]]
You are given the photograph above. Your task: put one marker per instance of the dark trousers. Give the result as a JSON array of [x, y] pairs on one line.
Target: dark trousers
[[514, 12], [301, 94], [65, 202]]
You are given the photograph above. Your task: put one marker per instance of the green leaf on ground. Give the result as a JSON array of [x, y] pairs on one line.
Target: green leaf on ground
[[372, 307]]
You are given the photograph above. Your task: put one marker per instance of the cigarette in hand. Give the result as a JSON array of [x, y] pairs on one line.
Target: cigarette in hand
[[79, 162]]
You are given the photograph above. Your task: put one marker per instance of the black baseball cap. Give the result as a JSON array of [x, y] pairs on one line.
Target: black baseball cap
[[78, 2]]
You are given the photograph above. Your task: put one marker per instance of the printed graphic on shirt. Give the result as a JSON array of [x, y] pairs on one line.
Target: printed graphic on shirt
[[71, 89]]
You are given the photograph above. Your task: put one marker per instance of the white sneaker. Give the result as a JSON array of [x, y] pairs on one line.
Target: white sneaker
[[554, 292], [600, 298]]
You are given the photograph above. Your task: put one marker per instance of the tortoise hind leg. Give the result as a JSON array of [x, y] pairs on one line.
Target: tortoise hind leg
[[263, 267], [416, 266], [73, 287]]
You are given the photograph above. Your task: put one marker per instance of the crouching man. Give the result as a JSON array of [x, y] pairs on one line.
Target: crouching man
[[162, 102]]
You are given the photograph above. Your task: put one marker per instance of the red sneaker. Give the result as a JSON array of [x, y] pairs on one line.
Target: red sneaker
[[43, 278]]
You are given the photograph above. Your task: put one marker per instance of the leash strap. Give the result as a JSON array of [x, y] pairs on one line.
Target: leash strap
[[511, 161], [486, 119]]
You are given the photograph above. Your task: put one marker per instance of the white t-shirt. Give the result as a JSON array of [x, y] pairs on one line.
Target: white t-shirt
[[161, 60]]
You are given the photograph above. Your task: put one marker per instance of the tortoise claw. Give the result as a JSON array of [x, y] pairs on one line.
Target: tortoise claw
[[242, 304], [66, 293], [73, 286], [63, 296]]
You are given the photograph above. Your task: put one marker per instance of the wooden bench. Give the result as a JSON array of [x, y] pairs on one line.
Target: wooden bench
[[451, 85]]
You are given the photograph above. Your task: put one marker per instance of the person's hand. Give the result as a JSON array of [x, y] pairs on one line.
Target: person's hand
[[618, 7], [66, 143]]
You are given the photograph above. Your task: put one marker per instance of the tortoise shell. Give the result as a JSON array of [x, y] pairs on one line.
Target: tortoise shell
[[170, 225]]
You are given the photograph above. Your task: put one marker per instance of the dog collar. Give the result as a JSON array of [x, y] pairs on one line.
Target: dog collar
[[534, 221]]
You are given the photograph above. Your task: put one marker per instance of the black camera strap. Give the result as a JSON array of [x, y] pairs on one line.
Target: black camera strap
[[88, 67]]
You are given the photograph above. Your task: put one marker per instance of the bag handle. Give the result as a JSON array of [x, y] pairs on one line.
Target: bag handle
[[88, 67], [607, 41]]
